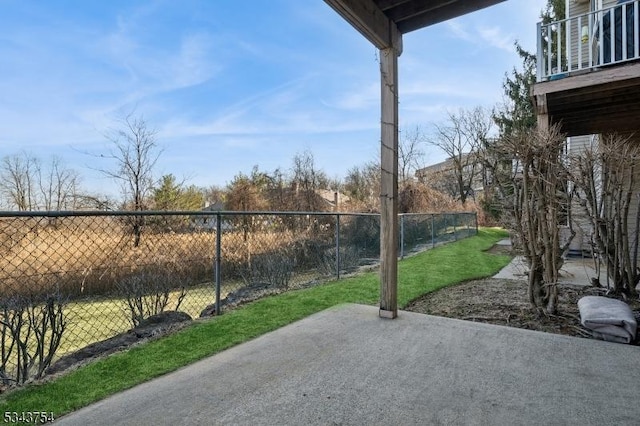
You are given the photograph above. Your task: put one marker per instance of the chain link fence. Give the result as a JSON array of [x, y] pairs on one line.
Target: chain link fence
[[71, 279]]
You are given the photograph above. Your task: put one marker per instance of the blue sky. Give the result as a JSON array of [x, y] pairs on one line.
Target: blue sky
[[230, 84]]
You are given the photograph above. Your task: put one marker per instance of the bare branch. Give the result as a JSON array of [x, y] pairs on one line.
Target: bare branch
[[462, 138], [410, 153]]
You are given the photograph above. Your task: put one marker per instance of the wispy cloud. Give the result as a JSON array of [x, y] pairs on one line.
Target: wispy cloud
[[193, 62], [366, 96], [153, 69], [497, 37], [493, 36], [458, 31], [453, 87]]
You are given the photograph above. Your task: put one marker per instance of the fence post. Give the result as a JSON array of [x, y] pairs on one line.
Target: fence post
[[401, 236], [475, 216], [338, 246], [446, 225], [455, 220], [218, 275], [433, 231]]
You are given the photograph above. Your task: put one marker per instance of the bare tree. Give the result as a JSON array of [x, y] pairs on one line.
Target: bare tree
[[58, 186], [443, 180], [461, 138], [363, 184], [95, 201], [307, 178], [134, 153], [245, 193], [28, 184], [17, 184], [410, 152]]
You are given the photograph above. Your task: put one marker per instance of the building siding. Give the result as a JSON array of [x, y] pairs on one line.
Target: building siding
[[574, 33], [576, 145]]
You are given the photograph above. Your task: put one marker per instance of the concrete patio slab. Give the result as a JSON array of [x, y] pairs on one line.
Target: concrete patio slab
[[346, 365]]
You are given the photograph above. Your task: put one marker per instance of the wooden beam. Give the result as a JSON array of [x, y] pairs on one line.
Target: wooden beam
[[600, 119], [366, 17], [389, 184], [585, 100], [408, 10], [444, 13], [388, 4], [624, 75]]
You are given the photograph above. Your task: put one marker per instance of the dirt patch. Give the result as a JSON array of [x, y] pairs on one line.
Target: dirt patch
[[505, 302]]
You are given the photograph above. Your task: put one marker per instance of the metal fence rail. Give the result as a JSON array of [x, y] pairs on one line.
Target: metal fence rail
[[69, 279]]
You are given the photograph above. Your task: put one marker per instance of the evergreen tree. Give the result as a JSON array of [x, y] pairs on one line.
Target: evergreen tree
[[166, 195], [171, 195], [517, 113]]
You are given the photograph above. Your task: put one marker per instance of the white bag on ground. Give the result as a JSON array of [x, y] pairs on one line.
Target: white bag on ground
[[608, 319]]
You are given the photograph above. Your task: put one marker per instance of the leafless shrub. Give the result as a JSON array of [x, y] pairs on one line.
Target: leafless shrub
[[349, 259], [150, 292], [274, 269], [538, 200], [362, 232], [31, 329], [605, 176]]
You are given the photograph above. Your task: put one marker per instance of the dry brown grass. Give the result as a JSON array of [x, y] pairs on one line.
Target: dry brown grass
[[87, 255]]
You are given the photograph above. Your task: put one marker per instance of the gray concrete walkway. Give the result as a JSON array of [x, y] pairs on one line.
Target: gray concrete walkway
[[574, 271], [347, 366]]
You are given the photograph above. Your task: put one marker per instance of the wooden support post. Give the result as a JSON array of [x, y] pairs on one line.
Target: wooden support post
[[543, 122], [542, 112], [389, 184]]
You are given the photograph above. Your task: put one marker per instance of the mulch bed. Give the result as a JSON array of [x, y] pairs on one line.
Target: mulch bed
[[505, 302]]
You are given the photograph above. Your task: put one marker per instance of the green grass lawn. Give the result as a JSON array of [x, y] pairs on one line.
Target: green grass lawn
[[420, 274], [92, 321]]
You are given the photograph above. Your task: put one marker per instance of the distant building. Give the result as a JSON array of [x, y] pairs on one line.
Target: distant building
[[333, 200], [442, 176], [209, 222]]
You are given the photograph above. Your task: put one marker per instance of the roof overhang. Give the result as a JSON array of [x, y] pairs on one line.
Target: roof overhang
[[383, 22]]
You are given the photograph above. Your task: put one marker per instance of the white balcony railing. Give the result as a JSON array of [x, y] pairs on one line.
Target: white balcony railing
[[596, 39]]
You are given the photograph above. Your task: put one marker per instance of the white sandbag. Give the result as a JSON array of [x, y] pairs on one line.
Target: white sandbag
[[608, 319]]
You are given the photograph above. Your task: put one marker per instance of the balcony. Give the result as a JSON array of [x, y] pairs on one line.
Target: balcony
[[574, 44], [588, 73]]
